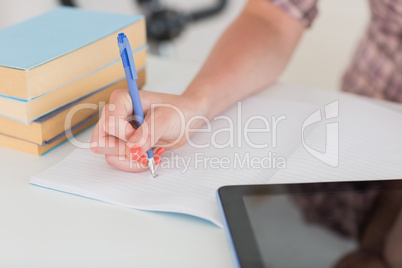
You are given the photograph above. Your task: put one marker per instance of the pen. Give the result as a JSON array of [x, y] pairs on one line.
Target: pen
[[131, 76]]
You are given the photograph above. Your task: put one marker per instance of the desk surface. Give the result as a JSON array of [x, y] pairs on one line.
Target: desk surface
[[44, 228]]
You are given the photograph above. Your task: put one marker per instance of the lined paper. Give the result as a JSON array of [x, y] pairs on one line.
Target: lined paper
[[190, 191], [370, 147]]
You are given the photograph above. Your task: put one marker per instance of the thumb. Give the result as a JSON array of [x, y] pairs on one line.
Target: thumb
[[145, 136]]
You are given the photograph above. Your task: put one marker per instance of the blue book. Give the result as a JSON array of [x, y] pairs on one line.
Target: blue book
[[51, 50]]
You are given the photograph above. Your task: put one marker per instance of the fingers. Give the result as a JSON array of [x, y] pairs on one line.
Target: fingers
[[102, 143], [137, 155], [146, 136], [157, 160], [124, 147], [116, 115], [119, 111], [113, 128], [125, 164], [158, 151]]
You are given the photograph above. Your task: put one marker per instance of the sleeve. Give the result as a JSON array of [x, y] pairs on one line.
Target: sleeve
[[303, 10]]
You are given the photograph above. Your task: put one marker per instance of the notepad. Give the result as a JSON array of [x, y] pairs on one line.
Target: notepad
[[370, 147]]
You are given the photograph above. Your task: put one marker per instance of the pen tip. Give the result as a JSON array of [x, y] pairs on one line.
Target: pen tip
[[151, 166]]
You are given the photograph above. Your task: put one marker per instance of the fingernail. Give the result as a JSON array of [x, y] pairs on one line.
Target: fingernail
[[135, 150], [144, 161], [160, 151], [157, 160], [135, 157]]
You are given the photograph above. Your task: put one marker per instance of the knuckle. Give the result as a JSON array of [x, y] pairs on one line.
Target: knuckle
[[117, 93]]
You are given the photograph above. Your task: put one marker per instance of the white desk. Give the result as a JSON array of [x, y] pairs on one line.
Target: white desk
[[44, 228]]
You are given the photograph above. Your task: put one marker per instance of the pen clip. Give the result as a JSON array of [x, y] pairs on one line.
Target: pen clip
[[126, 54], [130, 58]]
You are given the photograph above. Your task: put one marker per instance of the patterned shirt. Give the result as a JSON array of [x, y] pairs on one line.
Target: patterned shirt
[[376, 69]]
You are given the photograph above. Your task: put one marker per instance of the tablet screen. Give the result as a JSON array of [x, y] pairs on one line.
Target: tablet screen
[[310, 225], [285, 239]]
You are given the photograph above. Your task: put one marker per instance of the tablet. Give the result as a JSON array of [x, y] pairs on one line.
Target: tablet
[[301, 225]]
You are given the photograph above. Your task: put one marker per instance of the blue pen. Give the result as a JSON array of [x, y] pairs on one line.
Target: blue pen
[[131, 76]]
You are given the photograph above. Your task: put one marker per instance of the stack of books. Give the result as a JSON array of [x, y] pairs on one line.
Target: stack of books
[[58, 70]]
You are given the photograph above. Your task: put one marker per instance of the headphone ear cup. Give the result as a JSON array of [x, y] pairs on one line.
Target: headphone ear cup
[[68, 3]]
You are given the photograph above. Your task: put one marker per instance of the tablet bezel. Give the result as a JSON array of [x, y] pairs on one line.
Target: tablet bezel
[[240, 235]]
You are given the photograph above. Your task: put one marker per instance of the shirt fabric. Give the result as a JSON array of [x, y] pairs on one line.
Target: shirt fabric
[[376, 68]]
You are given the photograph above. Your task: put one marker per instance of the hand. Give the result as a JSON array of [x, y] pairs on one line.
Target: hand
[[124, 146]]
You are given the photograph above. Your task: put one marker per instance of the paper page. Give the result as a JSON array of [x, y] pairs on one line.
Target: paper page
[[369, 146], [188, 176]]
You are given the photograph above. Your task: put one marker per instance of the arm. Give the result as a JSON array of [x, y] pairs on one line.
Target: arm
[[249, 56]]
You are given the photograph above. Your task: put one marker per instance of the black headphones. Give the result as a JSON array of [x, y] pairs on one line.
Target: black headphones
[[164, 23]]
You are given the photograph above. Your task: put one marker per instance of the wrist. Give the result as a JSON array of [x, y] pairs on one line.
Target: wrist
[[197, 102]]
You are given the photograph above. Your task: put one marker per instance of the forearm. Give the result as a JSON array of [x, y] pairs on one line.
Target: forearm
[[249, 56]]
